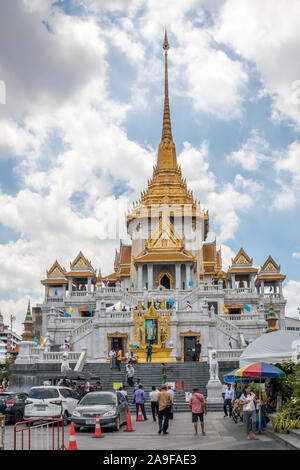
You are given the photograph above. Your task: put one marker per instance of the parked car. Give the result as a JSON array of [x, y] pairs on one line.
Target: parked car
[[12, 405], [50, 401], [108, 405]]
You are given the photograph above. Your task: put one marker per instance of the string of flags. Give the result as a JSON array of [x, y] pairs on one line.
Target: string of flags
[[189, 305]]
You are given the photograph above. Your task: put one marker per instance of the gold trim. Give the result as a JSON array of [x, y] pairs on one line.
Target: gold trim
[[184, 334], [163, 273]]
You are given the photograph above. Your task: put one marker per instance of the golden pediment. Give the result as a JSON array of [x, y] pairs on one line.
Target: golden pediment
[[80, 262], [164, 236], [270, 266], [56, 270], [242, 258]]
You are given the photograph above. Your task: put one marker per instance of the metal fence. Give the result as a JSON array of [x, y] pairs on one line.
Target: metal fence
[[40, 434], [2, 431]]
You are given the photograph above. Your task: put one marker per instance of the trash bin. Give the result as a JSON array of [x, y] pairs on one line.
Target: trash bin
[[180, 385], [2, 431]]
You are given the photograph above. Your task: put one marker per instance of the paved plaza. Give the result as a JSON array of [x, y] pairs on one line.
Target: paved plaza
[[221, 434]]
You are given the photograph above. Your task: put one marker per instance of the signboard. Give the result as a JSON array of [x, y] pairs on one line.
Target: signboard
[[188, 396], [171, 384], [117, 385]]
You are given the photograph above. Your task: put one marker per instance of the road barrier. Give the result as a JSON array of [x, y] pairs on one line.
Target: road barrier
[[2, 431], [40, 434]]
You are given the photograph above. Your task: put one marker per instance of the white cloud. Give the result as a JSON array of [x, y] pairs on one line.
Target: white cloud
[[292, 293], [296, 255], [252, 153], [267, 33], [288, 165]]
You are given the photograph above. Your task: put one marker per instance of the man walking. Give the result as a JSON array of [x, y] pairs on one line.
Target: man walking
[[164, 401], [197, 404], [130, 375], [112, 356], [228, 400], [140, 398], [154, 404], [149, 352], [119, 359]]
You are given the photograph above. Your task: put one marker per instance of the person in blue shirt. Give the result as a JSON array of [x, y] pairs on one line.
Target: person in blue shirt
[[149, 352], [140, 398]]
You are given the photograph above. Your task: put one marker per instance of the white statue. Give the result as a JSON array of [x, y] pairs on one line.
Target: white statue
[[213, 366], [65, 363]]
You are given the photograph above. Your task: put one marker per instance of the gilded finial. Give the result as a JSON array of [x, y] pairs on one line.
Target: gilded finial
[[166, 130]]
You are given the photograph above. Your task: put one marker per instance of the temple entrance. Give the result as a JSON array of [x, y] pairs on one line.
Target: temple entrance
[[165, 282], [117, 343], [189, 348]]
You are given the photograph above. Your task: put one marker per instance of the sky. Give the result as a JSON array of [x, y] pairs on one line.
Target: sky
[[81, 103]]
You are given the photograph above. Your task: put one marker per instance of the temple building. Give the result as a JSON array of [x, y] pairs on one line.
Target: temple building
[[168, 287]]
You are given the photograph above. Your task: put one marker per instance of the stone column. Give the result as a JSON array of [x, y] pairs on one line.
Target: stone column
[[262, 288], [233, 281], [188, 275], [280, 289], [150, 276], [64, 291], [70, 286], [89, 285], [177, 276], [140, 273]]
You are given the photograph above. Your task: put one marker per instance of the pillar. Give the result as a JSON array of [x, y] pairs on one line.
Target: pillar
[[89, 285], [262, 288], [70, 286], [280, 289], [150, 276], [188, 276], [233, 281], [140, 273], [178, 276]]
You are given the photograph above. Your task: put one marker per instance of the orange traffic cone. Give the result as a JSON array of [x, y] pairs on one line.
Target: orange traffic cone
[[140, 416], [98, 432], [72, 439], [129, 424]]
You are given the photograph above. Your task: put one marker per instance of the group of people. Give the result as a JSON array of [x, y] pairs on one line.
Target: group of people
[[247, 405], [4, 384], [81, 389]]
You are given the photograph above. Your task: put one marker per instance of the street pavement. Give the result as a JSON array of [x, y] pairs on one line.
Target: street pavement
[[221, 434]]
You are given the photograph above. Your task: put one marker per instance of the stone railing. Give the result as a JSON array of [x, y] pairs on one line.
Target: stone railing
[[241, 317], [85, 326], [227, 327], [68, 322], [228, 354], [53, 300], [58, 356], [241, 292]]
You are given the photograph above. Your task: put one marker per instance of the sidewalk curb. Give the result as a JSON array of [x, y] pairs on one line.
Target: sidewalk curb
[[282, 438]]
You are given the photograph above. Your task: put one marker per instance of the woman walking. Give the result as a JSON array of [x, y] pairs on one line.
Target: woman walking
[[247, 399]]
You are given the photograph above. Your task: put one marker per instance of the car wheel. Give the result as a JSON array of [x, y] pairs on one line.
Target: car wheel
[[18, 417], [117, 424]]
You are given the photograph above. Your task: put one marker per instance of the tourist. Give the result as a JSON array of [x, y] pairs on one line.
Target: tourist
[[238, 391], [112, 355], [197, 404], [172, 393], [228, 401], [149, 352], [138, 383], [139, 399], [154, 404], [86, 386], [123, 390], [164, 401], [248, 400], [130, 375], [99, 387], [197, 351], [119, 359], [163, 373]]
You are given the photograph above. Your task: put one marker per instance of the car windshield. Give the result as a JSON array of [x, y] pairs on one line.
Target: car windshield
[[5, 396], [41, 393], [98, 399]]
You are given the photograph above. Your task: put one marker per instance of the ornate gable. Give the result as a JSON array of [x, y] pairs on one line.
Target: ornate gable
[[164, 237], [56, 270], [270, 266], [80, 262], [242, 258]]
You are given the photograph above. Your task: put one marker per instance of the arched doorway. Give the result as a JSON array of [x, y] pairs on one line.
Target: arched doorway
[[165, 282]]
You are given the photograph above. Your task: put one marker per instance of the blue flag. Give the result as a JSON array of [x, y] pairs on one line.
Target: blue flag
[[67, 315], [132, 284], [36, 340], [91, 311], [191, 283], [171, 303], [246, 307]]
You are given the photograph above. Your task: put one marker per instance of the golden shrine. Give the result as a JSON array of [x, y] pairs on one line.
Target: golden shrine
[[151, 327]]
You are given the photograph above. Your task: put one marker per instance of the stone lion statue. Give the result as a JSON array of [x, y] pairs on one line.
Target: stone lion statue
[[214, 366], [65, 363]]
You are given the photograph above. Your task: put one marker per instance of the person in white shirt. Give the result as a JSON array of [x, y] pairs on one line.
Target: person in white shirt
[[130, 375], [247, 399], [112, 355], [172, 393], [228, 400], [154, 403]]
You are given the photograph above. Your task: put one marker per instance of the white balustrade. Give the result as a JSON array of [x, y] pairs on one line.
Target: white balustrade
[[229, 354]]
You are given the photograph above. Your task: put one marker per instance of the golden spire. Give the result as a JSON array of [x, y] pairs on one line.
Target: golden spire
[[166, 130], [166, 158]]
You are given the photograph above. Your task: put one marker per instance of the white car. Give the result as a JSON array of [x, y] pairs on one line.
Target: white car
[[50, 401]]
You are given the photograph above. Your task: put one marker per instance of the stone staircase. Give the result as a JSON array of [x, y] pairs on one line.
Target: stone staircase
[[193, 375]]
